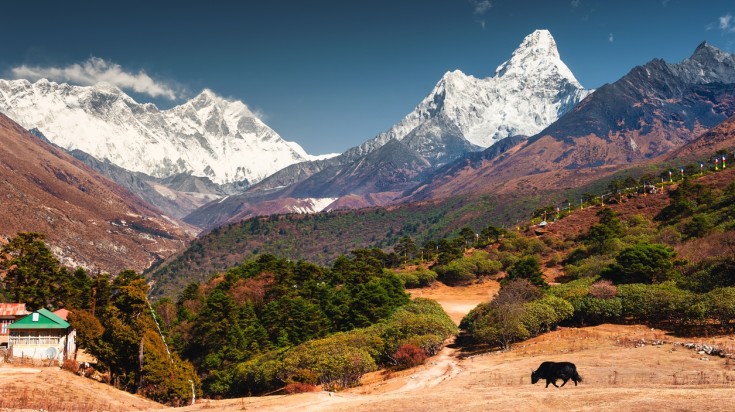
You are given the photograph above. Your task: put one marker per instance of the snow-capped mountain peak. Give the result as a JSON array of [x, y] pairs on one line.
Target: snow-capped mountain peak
[[207, 136], [528, 92], [536, 54]]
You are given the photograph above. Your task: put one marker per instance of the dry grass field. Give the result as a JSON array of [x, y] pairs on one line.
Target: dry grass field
[[53, 389]]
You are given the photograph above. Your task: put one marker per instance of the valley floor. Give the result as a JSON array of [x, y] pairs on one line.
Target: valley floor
[[622, 369], [625, 368]]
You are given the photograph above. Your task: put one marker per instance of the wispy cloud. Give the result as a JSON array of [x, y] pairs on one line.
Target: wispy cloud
[[96, 70], [726, 23], [481, 7], [576, 3], [664, 3], [610, 37]]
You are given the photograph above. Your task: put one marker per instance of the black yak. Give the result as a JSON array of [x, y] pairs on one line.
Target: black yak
[[553, 371]]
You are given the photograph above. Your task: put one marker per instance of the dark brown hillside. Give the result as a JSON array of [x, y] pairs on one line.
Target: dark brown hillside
[[721, 137], [88, 220]]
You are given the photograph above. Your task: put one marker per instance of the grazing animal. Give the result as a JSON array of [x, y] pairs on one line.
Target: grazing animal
[[553, 371]]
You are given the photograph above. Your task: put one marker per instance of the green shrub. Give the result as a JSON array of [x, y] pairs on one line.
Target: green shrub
[[588, 267], [710, 274], [420, 277], [336, 366], [574, 290], [642, 263], [721, 304], [593, 311], [467, 269], [527, 268], [545, 314], [699, 226], [662, 303], [456, 272]]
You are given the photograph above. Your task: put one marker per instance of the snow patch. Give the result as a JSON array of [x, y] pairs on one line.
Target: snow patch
[[313, 205]]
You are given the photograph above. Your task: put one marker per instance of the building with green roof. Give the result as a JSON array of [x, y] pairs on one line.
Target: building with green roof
[[42, 335]]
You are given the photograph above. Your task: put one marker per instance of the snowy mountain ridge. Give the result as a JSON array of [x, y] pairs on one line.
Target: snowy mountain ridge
[[527, 93], [207, 136]]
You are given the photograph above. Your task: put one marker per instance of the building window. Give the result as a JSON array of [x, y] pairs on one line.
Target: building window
[[33, 338]]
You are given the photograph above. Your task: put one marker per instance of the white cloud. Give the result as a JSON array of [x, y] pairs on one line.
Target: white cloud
[[95, 70], [726, 23], [481, 6], [576, 3], [610, 38]]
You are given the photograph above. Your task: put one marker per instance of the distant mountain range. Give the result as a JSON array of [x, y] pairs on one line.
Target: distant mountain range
[[208, 136], [462, 114], [216, 141]]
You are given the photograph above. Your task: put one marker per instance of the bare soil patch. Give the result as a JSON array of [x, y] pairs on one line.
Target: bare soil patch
[[459, 300]]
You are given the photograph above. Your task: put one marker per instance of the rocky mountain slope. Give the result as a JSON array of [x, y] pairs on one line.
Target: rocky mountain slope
[[705, 146], [89, 221]]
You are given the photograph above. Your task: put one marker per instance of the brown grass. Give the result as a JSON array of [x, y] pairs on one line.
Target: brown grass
[[53, 389]]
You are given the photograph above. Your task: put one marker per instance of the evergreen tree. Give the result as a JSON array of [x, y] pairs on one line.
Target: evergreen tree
[[33, 275], [527, 268], [406, 248]]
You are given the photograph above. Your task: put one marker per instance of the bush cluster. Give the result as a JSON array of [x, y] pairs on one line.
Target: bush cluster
[[405, 339]]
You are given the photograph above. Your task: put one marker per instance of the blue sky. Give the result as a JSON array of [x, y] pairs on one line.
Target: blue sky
[[332, 74]]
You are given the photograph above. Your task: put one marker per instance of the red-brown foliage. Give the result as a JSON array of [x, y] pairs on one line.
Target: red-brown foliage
[[252, 290], [408, 356], [298, 387], [603, 289], [70, 365]]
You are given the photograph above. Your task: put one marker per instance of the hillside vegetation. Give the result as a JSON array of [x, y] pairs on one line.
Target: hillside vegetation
[[318, 238]]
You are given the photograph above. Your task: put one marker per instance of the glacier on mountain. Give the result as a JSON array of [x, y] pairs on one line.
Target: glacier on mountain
[[207, 136]]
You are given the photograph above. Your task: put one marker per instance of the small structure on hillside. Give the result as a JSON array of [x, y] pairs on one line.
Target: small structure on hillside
[[42, 335], [9, 313]]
